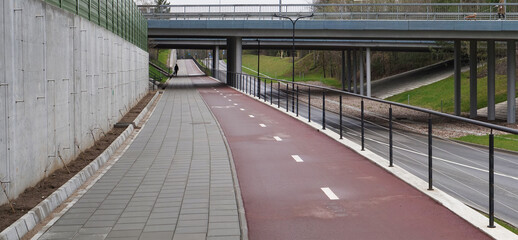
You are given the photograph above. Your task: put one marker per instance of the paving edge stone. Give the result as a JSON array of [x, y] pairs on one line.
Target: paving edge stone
[[471, 216], [28, 221]]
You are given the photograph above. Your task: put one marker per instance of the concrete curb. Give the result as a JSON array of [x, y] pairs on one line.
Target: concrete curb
[[28, 221], [456, 206], [139, 118]]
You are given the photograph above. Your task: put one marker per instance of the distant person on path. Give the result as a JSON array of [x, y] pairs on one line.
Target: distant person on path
[[501, 10], [175, 70]]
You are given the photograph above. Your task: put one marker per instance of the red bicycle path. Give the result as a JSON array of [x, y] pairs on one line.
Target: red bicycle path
[[283, 198]]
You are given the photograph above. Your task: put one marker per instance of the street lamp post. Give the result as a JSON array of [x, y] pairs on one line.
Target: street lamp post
[[293, 22]]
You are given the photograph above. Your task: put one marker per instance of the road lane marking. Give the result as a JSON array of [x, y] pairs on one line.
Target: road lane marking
[[262, 125], [235, 104], [225, 96], [445, 160], [242, 109], [297, 158], [330, 194], [230, 100], [252, 116], [278, 139]]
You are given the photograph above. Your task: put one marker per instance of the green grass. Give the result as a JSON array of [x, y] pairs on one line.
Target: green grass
[[163, 55], [502, 223], [430, 96], [281, 68], [155, 74], [504, 141]]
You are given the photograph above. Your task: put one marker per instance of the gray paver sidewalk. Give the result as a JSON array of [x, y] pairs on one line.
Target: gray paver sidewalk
[[173, 182]]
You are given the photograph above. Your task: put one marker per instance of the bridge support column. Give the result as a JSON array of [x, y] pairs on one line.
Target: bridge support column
[[491, 80], [215, 61], [343, 70], [355, 70], [234, 46], [473, 79], [361, 72], [368, 69], [511, 81], [349, 70], [456, 84]]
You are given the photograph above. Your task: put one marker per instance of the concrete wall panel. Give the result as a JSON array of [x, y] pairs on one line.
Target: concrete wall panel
[[63, 82], [3, 96]]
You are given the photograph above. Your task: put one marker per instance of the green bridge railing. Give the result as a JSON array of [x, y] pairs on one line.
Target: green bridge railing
[[122, 17]]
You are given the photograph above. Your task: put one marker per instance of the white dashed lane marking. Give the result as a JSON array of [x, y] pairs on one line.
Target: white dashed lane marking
[[277, 138], [252, 116], [330, 194], [297, 158], [262, 125], [242, 109]]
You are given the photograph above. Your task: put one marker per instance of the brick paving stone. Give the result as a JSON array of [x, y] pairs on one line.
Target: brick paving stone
[[173, 182]]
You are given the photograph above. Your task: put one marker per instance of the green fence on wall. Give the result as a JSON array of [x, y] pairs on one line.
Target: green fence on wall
[[122, 17]]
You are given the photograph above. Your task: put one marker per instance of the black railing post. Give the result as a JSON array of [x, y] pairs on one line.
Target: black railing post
[[271, 92], [363, 128], [293, 98], [430, 169], [324, 109], [491, 180], [297, 100], [287, 97], [249, 86], [341, 126], [265, 84], [278, 94], [259, 87], [309, 104], [391, 159]]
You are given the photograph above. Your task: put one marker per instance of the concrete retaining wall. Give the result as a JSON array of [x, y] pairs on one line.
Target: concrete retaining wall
[[63, 82]]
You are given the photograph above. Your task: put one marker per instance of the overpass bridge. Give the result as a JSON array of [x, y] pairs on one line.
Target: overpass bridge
[[339, 22]]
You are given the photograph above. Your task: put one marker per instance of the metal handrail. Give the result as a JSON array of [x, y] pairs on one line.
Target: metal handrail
[[374, 11], [419, 109]]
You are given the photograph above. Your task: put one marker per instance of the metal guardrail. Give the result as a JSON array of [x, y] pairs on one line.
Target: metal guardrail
[[254, 85], [381, 11]]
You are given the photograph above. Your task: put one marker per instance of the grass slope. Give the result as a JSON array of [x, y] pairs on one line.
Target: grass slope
[[430, 96], [281, 68], [505, 141], [163, 56]]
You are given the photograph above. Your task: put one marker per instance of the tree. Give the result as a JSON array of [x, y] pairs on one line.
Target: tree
[[159, 9]]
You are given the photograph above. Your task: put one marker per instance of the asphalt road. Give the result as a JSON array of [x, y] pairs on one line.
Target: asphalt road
[[460, 170]]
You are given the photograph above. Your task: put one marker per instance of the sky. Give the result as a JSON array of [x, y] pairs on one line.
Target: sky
[[201, 2]]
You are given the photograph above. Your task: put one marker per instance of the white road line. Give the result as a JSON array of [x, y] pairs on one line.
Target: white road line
[[297, 158], [224, 96], [235, 104], [277, 138], [252, 116], [447, 161], [242, 109], [262, 125], [330, 194]]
